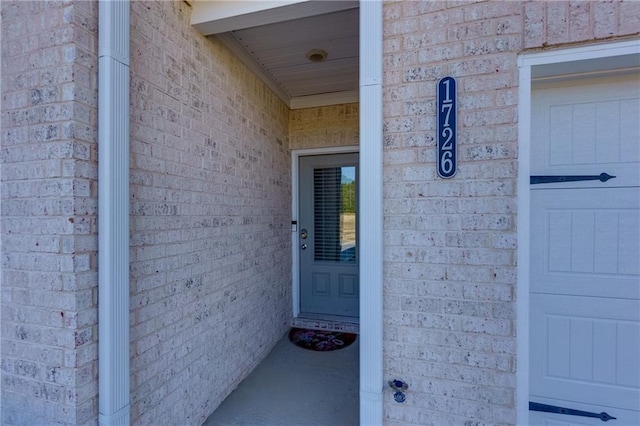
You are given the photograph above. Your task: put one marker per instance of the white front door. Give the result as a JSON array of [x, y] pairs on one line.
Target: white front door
[[585, 250]]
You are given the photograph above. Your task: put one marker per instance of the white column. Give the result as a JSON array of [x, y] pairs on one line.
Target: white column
[[113, 213], [522, 302], [371, 243]]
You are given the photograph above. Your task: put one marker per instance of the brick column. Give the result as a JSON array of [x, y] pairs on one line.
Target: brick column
[[49, 200]]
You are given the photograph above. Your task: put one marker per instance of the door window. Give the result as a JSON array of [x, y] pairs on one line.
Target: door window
[[334, 201]]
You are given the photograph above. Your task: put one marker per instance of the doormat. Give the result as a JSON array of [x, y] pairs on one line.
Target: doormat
[[320, 340]]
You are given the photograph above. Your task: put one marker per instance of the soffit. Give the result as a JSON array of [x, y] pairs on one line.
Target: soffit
[[276, 50]]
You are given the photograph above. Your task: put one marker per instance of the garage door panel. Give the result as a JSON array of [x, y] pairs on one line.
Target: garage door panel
[[623, 417], [605, 334], [628, 353], [575, 132], [606, 252], [587, 127], [629, 245], [585, 250], [607, 114], [549, 420], [582, 240], [582, 363], [558, 240], [629, 113], [584, 246], [583, 139], [559, 151], [594, 122], [584, 344]]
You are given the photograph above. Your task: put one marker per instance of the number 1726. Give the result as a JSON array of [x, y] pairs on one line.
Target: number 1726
[[446, 156]]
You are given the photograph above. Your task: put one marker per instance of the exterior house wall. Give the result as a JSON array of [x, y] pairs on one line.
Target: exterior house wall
[[327, 126], [210, 214], [49, 210], [210, 200], [450, 245]]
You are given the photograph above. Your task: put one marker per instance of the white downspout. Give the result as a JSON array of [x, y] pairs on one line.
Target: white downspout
[[113, 213]]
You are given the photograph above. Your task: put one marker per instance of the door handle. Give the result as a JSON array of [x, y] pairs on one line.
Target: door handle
[[303, 247], [534, 406], [602, 177]]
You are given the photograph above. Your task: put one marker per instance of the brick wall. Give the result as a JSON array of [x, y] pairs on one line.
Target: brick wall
[[210, 252], [210, 208], [450, 245], [48, 211], [334, 125]]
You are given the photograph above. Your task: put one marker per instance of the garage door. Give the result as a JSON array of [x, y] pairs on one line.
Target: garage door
[[585, 254]]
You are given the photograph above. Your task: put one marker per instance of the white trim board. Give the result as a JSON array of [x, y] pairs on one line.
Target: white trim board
[[371, 214], [335, 98], [215, 17], [114, 364], [615, 55]]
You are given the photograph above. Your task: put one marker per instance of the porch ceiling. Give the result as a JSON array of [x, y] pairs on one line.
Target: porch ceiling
[[274, 40]]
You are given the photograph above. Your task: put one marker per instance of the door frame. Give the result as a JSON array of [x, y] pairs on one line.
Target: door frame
[[605, 56], [295, 236]]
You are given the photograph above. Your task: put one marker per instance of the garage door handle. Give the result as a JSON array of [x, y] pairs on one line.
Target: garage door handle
[[602, 177], [534, 406]]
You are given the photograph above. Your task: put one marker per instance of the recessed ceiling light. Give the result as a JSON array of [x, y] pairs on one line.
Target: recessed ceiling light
[[317, 55]]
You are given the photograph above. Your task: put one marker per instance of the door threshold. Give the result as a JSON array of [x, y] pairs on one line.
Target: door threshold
[[327, 322]]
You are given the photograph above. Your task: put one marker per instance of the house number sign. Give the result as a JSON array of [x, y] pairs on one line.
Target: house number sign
[[447, 143]]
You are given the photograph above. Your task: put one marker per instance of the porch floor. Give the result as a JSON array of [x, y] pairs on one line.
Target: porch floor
[[297, 387]]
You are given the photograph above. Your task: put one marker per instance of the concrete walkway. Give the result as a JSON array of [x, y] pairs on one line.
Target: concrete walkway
[[296, 387]]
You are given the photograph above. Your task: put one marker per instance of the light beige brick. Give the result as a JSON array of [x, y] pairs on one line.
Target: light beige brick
[[605, 18], [580, 21], [40, 205], [460, 254], [629, 17], [210, 167]]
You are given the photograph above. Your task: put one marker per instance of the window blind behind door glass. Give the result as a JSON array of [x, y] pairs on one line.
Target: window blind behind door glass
[[334, 214]]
